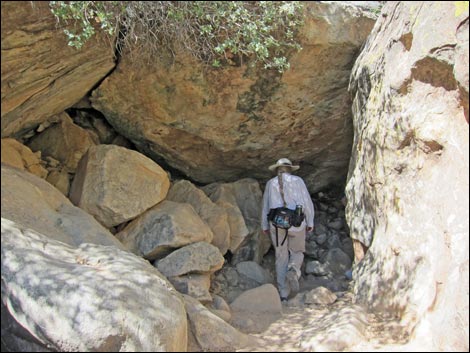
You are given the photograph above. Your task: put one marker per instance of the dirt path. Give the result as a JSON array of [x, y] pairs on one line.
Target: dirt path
[[341, 326]]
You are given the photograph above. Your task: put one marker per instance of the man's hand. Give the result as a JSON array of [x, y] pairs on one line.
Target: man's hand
[[266, 231]]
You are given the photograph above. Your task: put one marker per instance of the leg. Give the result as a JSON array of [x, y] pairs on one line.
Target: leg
[[282, 259], [295, 262], [296, 250]]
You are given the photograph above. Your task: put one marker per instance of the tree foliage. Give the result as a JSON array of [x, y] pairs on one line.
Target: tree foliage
[[216, 32]]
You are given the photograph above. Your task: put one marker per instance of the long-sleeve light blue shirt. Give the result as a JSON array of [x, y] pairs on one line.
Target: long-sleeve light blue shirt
[[295, 193]]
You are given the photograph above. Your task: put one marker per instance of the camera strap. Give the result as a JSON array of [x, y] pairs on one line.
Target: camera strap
[[277, 237]]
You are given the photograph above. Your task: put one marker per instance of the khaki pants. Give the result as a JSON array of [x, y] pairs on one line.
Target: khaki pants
[[290, 255]]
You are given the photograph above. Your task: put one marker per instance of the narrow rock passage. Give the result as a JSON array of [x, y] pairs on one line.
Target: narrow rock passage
[[342, 326]]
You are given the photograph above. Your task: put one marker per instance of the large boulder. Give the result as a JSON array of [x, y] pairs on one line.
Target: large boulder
[[213, 215], [200, 257], [236, 223], [261, 299], [408, 182], [253, 271], [34, 203], [90, 298], [211, 333], [41, 74], [164, 228], [115, 184], [228, 123], [244, 194], [255, 309]]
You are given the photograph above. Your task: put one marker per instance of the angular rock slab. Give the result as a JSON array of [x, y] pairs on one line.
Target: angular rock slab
[[198, 257], [212, 214], [36, 204], [163, 228], [115, 184]]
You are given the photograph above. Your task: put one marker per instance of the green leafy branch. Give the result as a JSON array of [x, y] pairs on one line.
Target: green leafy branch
[[216, 32]]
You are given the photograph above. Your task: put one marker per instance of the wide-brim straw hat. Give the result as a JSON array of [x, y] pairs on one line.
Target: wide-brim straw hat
[[283, 162]]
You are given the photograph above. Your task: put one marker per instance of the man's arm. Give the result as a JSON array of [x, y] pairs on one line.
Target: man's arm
[[309, 209]]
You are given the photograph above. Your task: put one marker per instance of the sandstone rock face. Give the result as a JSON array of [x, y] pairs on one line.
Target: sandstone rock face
[[408, 185], [115, 184], [90, 298], [37, 205], [41, 74], [231, 123]]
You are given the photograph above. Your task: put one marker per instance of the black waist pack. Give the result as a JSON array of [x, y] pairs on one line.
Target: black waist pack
[[284, 218]]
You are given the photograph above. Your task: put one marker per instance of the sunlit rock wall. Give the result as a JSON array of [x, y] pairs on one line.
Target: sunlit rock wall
[[407, 186]]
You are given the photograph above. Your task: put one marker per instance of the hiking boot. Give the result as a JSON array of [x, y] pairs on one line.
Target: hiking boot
[[293, 282], [283, 300]]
